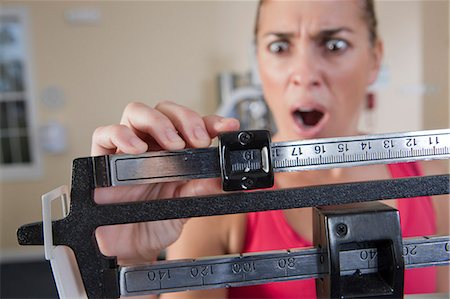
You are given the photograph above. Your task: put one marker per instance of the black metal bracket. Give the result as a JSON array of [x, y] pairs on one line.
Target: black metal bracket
[[245, 160], [100, 273], [361, 226]]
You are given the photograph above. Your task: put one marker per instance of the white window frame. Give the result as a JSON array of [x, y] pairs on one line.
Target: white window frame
[[32, 170]]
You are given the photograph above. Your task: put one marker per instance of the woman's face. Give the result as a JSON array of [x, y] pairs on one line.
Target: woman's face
[[316, 61]]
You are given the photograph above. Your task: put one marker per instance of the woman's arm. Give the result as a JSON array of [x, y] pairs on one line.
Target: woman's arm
[[167, 126], [208, 236], [200, 237]]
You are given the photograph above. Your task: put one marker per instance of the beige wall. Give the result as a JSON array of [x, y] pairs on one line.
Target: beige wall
[[416, 39], [149, 51], [144, 51], [435, 63], [403, 48]]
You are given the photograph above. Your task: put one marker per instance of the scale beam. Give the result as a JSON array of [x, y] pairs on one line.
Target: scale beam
[[153, 167], [249, 269]]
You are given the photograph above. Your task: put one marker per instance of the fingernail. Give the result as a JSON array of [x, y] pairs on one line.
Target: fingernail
[[200, 133], [172, 135], [228, 122]]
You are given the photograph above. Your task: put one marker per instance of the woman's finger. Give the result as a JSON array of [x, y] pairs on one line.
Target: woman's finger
[[116, 138], [216, 124], [150, 122], [187, 122]]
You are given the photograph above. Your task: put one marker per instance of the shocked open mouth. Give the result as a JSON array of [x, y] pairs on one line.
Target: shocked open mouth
[[308, 117], [310, 121]]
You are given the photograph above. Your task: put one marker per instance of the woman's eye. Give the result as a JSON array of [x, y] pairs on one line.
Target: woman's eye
[[336, 45], [278, 47]]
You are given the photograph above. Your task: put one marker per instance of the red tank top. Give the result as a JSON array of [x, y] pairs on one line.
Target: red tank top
[[269, 230]]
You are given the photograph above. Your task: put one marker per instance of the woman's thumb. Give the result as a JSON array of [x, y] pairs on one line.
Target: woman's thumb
[[201, 187]]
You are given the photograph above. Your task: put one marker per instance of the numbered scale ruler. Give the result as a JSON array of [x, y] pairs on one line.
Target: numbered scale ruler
[[166, 166], [248, 269]]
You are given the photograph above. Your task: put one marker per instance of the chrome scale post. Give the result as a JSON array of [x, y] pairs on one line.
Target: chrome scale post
[[248, 160]]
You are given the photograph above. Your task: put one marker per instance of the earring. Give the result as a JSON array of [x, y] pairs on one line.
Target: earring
[[369, 110]]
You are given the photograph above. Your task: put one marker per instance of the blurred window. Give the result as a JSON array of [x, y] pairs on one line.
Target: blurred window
[[18, 152]]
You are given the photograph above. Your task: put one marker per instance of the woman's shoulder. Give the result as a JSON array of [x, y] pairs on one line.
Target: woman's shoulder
[[435, 167], [419, 168]]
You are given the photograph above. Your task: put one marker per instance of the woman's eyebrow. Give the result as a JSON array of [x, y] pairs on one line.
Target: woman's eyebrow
[[280, 35], [321, 34], [333, 31]]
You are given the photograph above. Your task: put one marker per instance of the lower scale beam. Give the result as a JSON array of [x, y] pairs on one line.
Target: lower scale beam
[[259, 268]]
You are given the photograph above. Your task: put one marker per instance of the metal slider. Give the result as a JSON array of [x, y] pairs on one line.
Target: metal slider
[[245, 160]]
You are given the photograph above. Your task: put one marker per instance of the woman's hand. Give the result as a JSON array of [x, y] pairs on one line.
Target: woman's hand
[[168, 126]]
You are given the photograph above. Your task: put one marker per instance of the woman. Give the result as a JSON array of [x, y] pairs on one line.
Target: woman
[[316, 60]]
